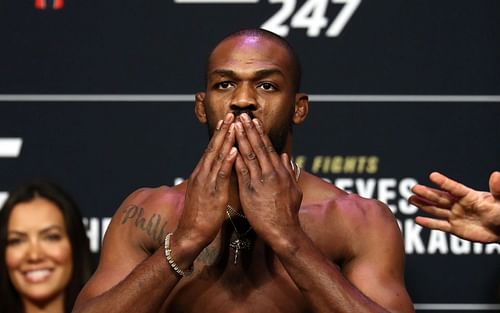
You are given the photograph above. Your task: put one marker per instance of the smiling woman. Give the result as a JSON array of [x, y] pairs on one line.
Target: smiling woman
[[44, 255]]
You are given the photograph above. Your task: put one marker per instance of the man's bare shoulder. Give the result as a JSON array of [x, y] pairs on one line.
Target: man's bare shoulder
[[148, 214], [333, 215], [334, 202]]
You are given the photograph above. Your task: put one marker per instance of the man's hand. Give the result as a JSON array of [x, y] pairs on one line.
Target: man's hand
[[207, 191], [460, 210], [269, 195]]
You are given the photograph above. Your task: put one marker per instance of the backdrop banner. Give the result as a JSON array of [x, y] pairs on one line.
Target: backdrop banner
[[98, 96]]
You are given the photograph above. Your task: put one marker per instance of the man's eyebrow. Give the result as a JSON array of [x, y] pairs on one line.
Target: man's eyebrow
[[268, 72], [259, 74], [223, 73]]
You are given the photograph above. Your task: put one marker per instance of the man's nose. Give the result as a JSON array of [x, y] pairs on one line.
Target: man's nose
[[244, 98]]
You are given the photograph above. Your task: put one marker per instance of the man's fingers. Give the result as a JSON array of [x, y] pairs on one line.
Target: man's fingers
[[495, 185], [254, 137], [269, 148], [248, 156], [218, 137], [448, 184], [430, 208], [439, 197], [433, 223], [287, 164], [242, 173], [224, 157], [224, 172]]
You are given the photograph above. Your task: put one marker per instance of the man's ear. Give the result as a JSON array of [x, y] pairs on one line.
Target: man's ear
[[301, 108], [199, 107]]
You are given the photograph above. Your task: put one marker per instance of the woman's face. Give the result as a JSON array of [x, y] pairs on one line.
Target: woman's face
[[38, 254]]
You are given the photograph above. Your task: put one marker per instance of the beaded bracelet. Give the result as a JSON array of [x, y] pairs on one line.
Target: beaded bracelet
[[171, 261]]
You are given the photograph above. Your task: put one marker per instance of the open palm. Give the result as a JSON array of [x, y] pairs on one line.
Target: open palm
[[460, 210]]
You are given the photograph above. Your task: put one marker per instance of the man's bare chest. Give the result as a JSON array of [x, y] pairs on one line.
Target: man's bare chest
[[259, 288]]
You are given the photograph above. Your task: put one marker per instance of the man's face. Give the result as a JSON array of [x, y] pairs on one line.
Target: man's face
[[253, 75]]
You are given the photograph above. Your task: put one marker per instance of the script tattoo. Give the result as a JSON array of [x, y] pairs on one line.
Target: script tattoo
[[151, 226]]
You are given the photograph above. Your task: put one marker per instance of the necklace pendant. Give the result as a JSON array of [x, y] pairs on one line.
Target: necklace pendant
[[237, 245], [236, 252]]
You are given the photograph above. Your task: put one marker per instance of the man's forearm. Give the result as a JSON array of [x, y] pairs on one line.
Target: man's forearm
[[144, 290], [321, 281]]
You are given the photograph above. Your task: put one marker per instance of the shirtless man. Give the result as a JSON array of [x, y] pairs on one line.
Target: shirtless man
[[259, 235]]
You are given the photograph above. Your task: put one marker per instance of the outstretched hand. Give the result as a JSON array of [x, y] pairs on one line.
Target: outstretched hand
[[460, 210]]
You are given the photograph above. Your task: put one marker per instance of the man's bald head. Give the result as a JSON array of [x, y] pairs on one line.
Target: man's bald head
[[262, 33]]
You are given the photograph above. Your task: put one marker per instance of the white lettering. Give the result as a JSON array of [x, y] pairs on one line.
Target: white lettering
[[413, 242], [104, 226], [492, 247], [311, 15], [405, 191], [459, 246], [343, 17], [366, 188], [92, 225], [437, 242], [276, 23], [10, 147], [477, 248], [385, 194], [3, 196]]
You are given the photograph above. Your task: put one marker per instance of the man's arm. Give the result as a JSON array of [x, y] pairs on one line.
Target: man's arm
[[271, 198], [128, 279], [460, 210], [371, 280]]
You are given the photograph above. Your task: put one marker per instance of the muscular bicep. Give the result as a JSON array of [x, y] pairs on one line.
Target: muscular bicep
[[377, 269], [120, 254]]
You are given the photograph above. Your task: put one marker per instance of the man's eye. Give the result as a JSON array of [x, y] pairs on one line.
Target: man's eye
[[224, 85], [267, 86]]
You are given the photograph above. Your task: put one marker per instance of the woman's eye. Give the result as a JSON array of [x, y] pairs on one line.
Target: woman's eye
[[53, 237], [13, 241]]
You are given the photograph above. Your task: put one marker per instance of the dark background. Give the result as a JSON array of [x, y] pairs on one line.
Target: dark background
[[102, 150]]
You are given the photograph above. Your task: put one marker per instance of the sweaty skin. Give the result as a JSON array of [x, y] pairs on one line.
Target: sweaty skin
[[315, 247]]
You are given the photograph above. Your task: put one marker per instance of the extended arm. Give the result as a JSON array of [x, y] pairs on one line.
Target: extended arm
[[460, 210]]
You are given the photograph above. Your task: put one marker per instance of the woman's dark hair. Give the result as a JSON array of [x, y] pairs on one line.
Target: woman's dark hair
[[10, 300]]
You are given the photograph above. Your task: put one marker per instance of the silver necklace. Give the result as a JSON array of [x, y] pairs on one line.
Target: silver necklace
[[241, 242]]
